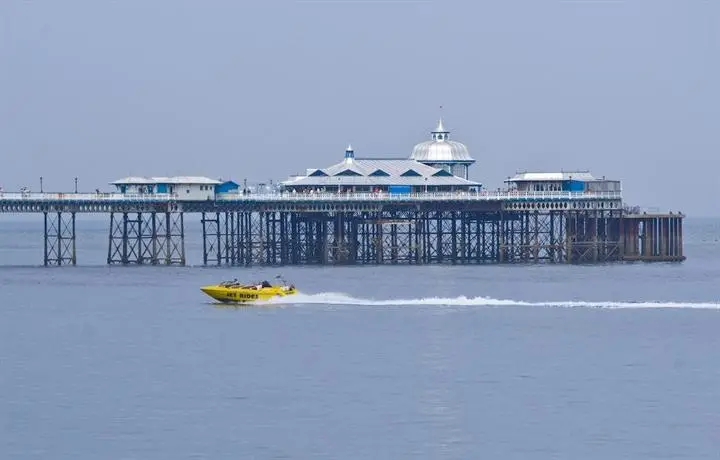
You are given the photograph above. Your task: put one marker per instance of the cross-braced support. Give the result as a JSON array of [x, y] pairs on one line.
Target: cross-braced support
[[416, 235], [532, 236], [222, 238], [59, 238], [593, 236], [146, 238]]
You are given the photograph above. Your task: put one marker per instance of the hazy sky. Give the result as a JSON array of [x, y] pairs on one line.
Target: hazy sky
[[264, 89]]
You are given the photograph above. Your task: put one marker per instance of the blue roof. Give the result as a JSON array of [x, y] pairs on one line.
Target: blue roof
[[227, 186]]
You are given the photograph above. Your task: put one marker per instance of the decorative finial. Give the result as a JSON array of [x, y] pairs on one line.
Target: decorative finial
[[440, 128]]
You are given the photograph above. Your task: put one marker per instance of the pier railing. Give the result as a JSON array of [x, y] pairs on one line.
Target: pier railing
[[86, 197], [502, 195], [431, 196]]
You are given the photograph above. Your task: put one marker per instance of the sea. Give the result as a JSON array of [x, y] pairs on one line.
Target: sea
[[610, 361]]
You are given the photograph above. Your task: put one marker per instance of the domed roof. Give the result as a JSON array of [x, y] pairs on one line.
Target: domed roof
[[440, 148]]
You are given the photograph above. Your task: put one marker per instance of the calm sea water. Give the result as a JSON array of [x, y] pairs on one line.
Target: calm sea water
[[514, 362]]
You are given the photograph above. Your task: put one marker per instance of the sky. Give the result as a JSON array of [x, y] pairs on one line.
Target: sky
[[263, 89]]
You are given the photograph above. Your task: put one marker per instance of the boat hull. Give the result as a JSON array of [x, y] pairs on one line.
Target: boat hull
[[231, 294]]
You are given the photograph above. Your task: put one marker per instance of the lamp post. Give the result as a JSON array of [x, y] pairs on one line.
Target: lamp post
[[75, 184], [41, 188]]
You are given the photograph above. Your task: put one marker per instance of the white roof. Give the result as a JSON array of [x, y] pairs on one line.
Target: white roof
[[325, 181], [394, 168], [190, 180], [441, 150], [551, 176], [186, 180], [132, 180]]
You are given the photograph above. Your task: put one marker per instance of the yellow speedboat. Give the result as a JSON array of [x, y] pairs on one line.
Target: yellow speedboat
[[233, 291]]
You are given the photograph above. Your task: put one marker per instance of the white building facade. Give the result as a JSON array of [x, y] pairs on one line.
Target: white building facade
[[188, 188], [565, 181]]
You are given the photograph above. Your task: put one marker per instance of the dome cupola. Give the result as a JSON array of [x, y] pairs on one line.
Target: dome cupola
[[443, 153]]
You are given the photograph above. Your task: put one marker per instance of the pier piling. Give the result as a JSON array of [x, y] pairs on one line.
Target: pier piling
[[653, 237], [363, 228], [146, 238], [412, 236], [59, 238]]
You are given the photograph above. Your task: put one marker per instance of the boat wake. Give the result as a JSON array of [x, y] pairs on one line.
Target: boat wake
[[336, 298]]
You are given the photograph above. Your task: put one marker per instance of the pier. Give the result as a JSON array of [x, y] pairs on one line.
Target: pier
[[478, 227], [421, 209]]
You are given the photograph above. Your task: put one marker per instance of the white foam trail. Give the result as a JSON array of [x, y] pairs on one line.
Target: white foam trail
[[337, 298]]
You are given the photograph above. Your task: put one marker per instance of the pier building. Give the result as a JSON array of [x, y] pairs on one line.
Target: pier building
[[391, 175], [568, 181], [417, 210], [184, 188]]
